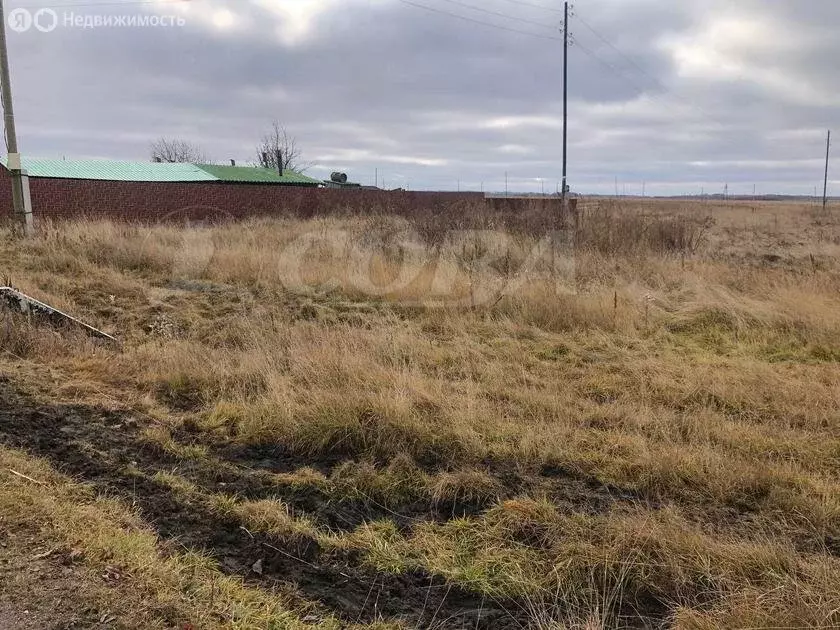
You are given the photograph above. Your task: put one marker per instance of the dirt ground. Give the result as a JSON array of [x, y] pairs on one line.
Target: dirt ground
[[106, 449], [49, 589]]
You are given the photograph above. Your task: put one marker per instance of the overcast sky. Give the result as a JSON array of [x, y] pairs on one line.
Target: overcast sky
[[680, 95]]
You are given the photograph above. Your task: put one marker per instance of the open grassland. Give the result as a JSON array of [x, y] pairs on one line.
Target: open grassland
[[454, 421]]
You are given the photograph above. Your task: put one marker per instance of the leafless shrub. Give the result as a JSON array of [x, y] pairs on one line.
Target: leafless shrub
[[610, 229]]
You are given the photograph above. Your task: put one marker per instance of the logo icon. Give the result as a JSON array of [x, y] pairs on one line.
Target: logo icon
[[20, 20], [46, 20]]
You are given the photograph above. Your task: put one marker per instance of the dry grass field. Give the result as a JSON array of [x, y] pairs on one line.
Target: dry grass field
[[446, 422]]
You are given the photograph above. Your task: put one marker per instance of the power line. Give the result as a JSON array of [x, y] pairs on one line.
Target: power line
[[612, 68], [609, 66], [656, 83], [498, 14], [522, 3], [616, 49], [476, 21], [621, 75], [590, 53]]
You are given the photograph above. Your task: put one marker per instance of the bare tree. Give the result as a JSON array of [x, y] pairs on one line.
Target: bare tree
[[173, 150], [279, 142]]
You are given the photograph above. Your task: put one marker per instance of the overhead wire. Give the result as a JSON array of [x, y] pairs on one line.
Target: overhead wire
[[616, 49], [611, 67], [477, 21], [498, 14], [533, 5], [587, 51], [653, 95], [654, 81]]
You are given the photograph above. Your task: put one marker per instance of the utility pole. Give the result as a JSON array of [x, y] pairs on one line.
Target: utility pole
[[565, 99], [825, 181], [506, 184], [376, 178], [13, 163]]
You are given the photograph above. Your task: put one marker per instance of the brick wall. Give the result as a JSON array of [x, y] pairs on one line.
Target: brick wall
[[147, 201]]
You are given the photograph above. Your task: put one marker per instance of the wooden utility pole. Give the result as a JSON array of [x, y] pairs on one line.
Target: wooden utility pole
[[825, 181], [14, 165], [565, 99]]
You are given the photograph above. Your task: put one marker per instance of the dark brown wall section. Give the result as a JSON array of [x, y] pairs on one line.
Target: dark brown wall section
[[59, 199], [148, 201]]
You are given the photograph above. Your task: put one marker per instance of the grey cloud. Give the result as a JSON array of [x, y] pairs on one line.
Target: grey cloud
[[430, 99]]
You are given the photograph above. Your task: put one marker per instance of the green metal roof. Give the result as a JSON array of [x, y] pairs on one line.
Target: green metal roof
[[114, 170], [257, 175], [126, 171]]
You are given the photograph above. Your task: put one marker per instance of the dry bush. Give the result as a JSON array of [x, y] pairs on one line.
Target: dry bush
[[612, 229]]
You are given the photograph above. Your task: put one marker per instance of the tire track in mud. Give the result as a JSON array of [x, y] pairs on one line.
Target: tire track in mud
[[99, 447], [107, 449]]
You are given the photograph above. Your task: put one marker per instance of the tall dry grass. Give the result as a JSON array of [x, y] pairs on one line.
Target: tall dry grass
[[685, 359]]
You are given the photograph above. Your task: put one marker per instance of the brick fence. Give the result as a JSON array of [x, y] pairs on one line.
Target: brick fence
[[58, 199]]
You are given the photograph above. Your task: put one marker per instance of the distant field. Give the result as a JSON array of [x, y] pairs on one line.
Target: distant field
[[624, 419]]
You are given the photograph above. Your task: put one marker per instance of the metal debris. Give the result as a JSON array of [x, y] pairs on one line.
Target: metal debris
[[16, 300]]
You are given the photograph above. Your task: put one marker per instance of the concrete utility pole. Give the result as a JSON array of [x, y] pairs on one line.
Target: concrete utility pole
[[14, 165], [825, 181], [565, 98]]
